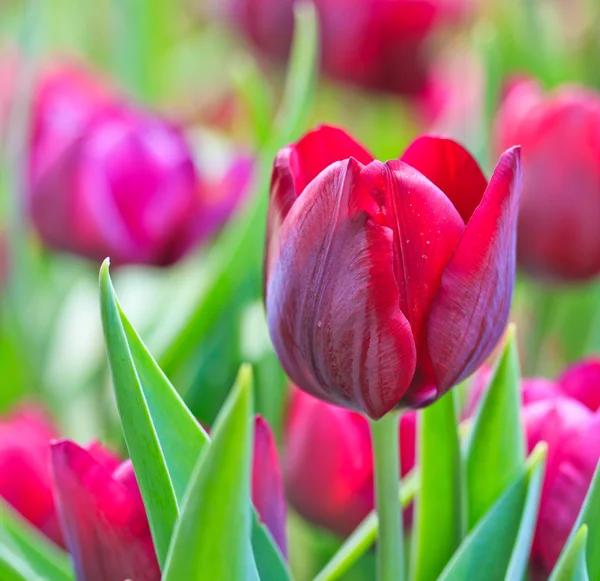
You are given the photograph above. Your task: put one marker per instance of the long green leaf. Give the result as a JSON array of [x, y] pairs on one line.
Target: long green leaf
[[439, 505], [23, 548], [496, 446], [212, 538], [163, 438], [589, 515], [486, 551], [572, 563]]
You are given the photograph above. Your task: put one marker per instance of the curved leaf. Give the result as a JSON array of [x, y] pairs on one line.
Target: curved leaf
[[572, 566]]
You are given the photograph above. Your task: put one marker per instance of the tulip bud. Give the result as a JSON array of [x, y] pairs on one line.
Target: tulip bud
[[102, 514], [378, 44], [25, 478], [387, 283], [558, 235], [328, 466]]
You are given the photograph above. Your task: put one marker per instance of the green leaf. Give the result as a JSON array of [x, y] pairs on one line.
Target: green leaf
[[212, 538], [239, 250], [572, 564], [589, 515], [439, 507], [496, 445], [163, 438], [486, 551], [24, 549]]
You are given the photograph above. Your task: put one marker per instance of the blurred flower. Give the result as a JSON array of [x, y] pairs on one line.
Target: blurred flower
[[387, 284], [378, 44], [558, 234], [25, 478], [109, 179], [564, 414], [328, 464], [103, 517], [267, 483]]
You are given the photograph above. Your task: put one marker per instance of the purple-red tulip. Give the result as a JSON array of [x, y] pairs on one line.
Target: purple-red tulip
[[564, 413], [377, 44], [387, 283], [328, 466], [102, 515], [110, 179], [558, 233], [25, 478]]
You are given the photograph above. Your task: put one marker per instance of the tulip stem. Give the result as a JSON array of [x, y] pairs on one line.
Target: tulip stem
[[386, 452]]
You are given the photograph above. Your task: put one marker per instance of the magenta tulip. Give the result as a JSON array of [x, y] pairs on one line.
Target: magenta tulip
[[558, 234], [25, 477], [102, 515], [387, 283], [328, 466], [377, 44]]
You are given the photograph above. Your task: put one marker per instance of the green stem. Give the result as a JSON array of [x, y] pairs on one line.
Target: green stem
[[386, 453], [363, 537]]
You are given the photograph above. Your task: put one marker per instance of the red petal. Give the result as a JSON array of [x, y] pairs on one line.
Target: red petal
[[296, 166], [471, 307], [267, 483], [582, 382], [451, 168], [105, 528], [333, 302], [426, 230]]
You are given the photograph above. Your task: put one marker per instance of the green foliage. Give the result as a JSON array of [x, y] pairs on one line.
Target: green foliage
[[438, 526], [572, 563], [212, 537]]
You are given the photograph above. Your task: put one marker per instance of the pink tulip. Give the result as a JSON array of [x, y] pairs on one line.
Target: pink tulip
[[328, 467]]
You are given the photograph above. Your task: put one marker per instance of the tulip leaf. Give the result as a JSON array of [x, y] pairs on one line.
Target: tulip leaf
[[486, 551], [25, 550], [495, 451], [438, 527], [572, 564], [589, 515], [212, 539], [163, 438]]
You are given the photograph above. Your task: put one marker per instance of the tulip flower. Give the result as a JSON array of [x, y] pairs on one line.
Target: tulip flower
[[328, 467], [377, 44], [558, 235], [387, 283], [25, 478], [103, 517], [107, 178]]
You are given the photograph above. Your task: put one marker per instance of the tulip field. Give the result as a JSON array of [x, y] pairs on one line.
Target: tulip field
[[300, 290]]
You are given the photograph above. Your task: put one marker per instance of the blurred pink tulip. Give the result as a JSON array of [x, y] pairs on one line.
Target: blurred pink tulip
[[103, 517], [110, 179], [328, 468], [558, 234], [377, 44], [25, 477]]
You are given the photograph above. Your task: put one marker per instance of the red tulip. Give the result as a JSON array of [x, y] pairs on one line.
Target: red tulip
[[109, 179], [378, 44], [558, 225], [103, 516], [387, 283], [267, 483], [328, 466], [25, 478]]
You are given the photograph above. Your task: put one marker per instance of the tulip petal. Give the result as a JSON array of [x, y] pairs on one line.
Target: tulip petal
[[333, 301], [451, 168], [106, 532], [267, 483], [296, 166], [426, 229], [582, 382], [471, 307]]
